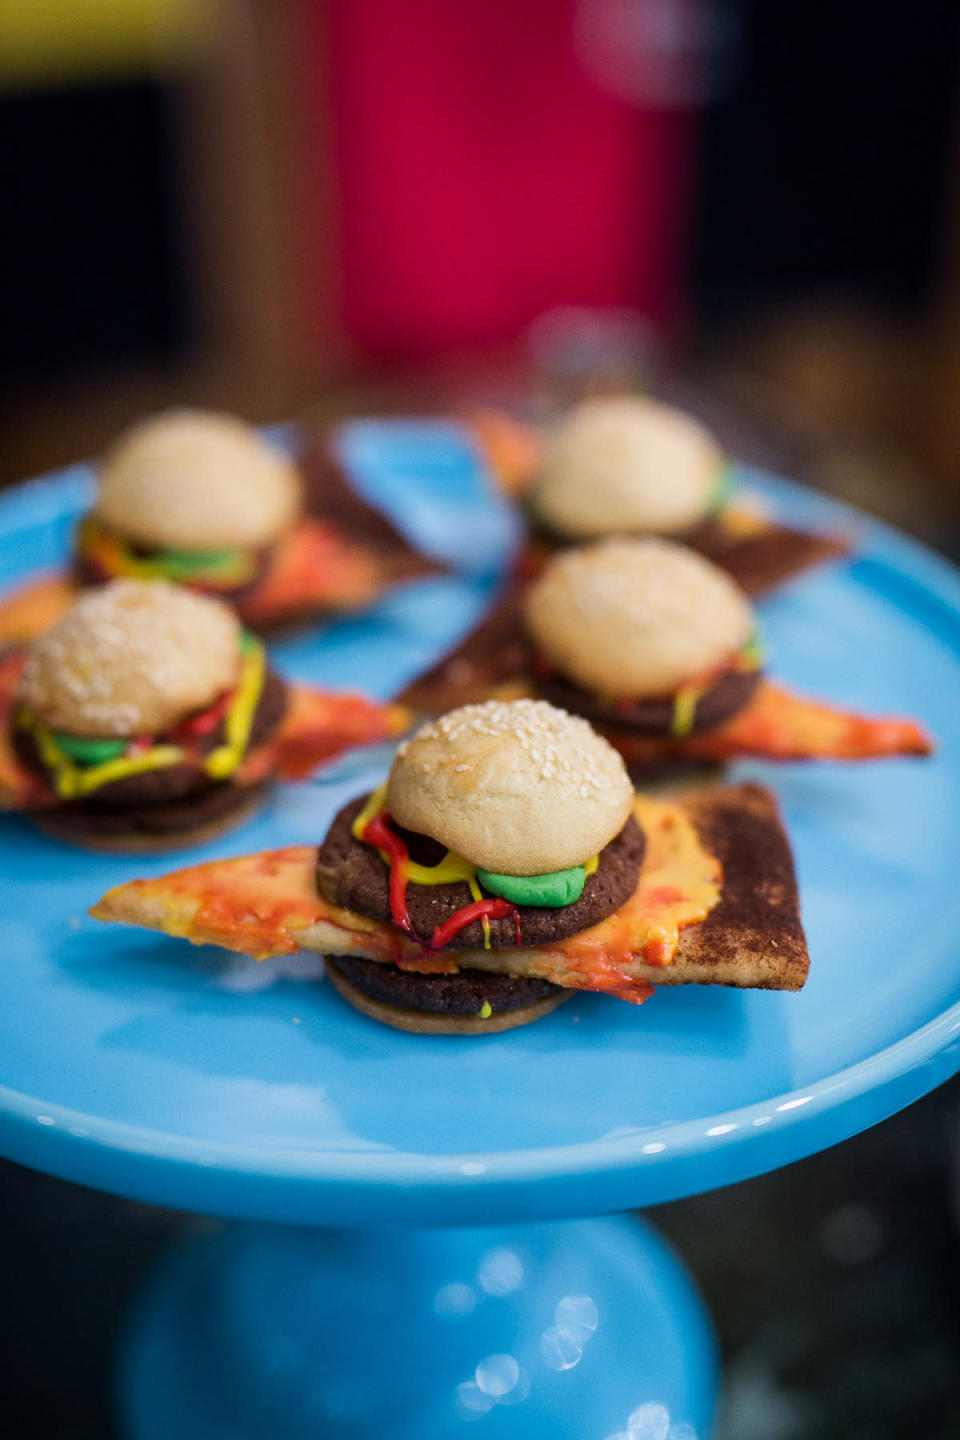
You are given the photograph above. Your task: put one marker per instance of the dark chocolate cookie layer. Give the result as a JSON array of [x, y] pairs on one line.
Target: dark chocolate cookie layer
[[82, 822], [352, 875], [727, 697], [175, 782], [465, 993]]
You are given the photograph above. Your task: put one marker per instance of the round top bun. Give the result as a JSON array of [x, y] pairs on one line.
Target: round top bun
[[636, 618], [517, 787], [195, 480], [132, 658], [627, 465]]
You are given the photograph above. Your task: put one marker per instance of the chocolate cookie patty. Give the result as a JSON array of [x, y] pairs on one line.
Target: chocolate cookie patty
[[727, 697], [351, 874], [161, 788], [465, 993]]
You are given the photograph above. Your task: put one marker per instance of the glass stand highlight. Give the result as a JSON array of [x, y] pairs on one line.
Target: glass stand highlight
[[584, 1329]]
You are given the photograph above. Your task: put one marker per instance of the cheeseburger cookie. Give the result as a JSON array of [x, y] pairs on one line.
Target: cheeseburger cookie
[[643, 634], [190, 496], [509, 826], [657, 646], [203, 500], [505, 864], [147, 718], [632, 465]]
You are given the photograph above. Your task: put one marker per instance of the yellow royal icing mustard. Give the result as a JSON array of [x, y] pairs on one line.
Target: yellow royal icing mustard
[[72, 781], [448, 871]]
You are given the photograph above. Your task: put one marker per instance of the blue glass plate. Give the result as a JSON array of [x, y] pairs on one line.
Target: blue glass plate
[[198, 1079]]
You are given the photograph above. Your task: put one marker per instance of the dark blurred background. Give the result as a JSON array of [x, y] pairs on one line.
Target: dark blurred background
[[286, 207], [276, 205]]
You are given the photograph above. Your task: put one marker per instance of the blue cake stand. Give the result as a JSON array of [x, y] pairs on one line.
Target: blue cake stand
[[406, 1258]]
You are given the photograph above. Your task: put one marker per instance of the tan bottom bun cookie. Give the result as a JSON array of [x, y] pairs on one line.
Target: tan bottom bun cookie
[[427, 1022]]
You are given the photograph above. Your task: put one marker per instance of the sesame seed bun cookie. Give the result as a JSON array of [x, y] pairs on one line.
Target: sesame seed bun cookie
[[131, 659], [502, 827], [197, 480], [146, 719], [627, 465], [636, 618], [519, 788]]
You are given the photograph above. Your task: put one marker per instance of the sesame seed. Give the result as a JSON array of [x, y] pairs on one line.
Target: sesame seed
[[544, 734]]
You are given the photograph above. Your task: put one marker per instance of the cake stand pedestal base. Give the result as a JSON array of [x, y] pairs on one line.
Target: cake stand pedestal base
[[587, 1329]]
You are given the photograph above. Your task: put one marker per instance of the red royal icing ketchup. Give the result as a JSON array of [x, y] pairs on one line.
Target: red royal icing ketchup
[[377, 832]]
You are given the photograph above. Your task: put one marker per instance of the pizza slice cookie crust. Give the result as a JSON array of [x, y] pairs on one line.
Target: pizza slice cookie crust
[[496, 660], [742, 882]]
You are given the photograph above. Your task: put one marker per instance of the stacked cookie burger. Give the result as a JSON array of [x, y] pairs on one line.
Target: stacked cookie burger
[[201, 499], [645, 636], [147, 718], [657, 646], [630, 465], [500, 828], [506, 863], [196, 498]]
